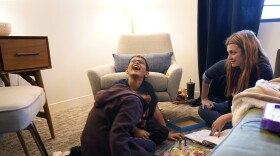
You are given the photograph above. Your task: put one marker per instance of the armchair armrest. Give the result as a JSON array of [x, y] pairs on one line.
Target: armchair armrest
[[174, 74], [95, 73]]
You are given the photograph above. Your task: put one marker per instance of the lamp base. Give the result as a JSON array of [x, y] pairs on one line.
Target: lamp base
[[5, 29]]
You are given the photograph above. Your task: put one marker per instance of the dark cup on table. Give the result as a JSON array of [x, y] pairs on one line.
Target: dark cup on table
[[190, 90]]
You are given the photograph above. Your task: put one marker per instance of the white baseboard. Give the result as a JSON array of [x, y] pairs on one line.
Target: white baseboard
[[57, 106]]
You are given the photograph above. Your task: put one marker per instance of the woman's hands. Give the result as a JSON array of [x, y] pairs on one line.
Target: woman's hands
[[218, 125], [207, 103]]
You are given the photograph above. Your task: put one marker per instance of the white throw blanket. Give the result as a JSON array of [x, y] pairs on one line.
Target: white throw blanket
[[264, 92]]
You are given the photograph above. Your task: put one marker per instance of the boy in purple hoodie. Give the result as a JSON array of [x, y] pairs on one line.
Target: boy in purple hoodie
[[115, 113]]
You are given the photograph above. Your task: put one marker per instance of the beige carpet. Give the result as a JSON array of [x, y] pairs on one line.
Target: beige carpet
[[68, 125]]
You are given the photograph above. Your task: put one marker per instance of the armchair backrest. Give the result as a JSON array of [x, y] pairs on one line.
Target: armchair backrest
[[145, 43]]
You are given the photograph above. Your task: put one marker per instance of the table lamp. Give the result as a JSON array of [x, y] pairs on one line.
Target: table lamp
[[5, 29]]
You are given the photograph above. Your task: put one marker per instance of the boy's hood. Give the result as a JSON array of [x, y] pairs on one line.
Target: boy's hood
[[116, 91]]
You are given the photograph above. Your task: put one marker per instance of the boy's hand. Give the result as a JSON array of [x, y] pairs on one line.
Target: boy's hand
[[174, 136], [146, 97], [139, 133]]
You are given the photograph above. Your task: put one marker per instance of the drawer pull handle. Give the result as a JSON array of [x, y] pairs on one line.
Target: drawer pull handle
[[25, 54]]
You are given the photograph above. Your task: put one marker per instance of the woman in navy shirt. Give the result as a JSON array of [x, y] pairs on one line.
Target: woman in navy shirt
[[246, 63]]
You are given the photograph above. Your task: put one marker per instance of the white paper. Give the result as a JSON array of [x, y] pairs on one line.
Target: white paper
[[201, 135]]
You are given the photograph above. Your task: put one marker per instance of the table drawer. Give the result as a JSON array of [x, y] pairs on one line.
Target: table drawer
[[24, 53]]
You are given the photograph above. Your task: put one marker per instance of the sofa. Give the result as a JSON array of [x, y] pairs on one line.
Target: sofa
[[249, 138]]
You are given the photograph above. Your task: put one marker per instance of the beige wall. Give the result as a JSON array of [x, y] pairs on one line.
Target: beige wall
[[85, 33]]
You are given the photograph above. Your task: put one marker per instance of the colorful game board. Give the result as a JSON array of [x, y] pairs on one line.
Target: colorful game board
[[179, 149]]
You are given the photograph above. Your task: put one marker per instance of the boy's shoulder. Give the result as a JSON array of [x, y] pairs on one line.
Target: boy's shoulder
[[121, 81]]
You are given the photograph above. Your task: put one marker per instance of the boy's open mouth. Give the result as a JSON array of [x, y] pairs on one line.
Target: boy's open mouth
[[135, 67]]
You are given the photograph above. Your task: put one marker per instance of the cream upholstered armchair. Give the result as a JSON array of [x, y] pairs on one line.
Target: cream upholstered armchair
[[165, 74]]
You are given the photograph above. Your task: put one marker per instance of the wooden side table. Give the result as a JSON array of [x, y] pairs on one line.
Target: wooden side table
[[26, 56]]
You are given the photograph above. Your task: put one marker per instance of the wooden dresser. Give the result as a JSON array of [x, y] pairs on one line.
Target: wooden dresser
[[26, 56]]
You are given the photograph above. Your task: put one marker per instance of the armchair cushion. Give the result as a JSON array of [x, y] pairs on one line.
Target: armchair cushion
[[158, 62]]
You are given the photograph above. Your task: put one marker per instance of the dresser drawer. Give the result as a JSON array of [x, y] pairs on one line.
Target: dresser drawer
[[20, 53]]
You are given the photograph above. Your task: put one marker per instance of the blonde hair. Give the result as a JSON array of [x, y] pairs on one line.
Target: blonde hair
[[252, 51]]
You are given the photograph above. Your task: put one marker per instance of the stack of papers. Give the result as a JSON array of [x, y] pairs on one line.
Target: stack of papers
[[203, 136]]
